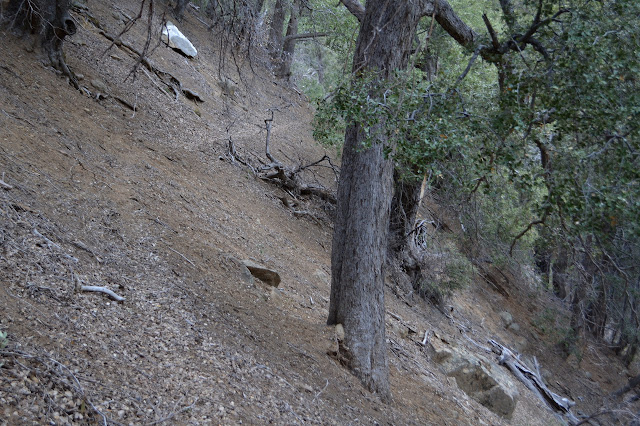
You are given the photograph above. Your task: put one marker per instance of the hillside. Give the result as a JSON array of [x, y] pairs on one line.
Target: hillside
[[150, 204]]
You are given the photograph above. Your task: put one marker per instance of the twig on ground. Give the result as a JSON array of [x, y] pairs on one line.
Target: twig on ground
[[46, 240], [426, 338], [172, 415], [235, 157], [322, 390], [182, 256], [104, 290], [4, 184]]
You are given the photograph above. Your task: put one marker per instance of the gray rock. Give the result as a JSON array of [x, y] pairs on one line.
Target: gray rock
[[246, 275], [521, 344], [514, 326], [176, 40], [228, 86], [481, 379], [322, 275], [99, 84], [264, 274], [507, 318]]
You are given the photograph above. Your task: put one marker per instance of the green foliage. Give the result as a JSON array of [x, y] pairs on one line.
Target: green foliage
[[556, 330], [322, 64], [446, 271], [553, 141]]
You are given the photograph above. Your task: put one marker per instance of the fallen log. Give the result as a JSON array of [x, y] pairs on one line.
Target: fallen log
[[532, 379]]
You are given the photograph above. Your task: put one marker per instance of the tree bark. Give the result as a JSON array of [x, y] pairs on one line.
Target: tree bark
[[51, 19], [289, 42], [178, 10], [276, 36], [365, 191]]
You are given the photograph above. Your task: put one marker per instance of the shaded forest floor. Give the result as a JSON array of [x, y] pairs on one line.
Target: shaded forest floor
[[149, 203]]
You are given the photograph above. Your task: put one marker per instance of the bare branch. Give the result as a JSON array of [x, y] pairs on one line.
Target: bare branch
[[540, 221], [355, 7], [268, 122], [452, 24], [104, 290], [492, 32], [303, 36]]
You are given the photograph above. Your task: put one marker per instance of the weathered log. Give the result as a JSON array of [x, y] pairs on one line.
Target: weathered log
[[533, 381]]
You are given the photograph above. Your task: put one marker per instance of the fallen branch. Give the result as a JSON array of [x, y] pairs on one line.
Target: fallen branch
[[288, 179], [322, 390], [533, 381], [299, 213], [235, 157], [46, 240], [182, 256], [268, 122], [4, 184], [104, 290], [162, 75]]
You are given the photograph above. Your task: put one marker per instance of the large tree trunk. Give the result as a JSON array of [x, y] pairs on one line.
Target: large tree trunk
[[51, 19], [365, 191]]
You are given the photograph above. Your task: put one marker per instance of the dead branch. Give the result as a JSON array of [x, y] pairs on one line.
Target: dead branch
[[234, 156], [268, 122], [321, 390], [287, 177], [300, 213], [4, 184], [182, 256], [533, 381], [303, 36], [169, 80], [50, 243], [104, 290]]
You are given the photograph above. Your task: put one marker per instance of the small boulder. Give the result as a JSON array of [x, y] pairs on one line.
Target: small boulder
[[176, 40], [264, 274], [99, 85], [506, 317], [481, 379]]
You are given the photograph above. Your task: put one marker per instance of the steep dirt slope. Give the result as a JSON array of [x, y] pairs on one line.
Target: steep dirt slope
[[149, 204]]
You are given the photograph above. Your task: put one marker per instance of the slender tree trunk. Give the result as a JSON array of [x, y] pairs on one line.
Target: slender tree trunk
[[178, 10], [320, 64], [258, 6], [365, 191], [276, 32], [289, 45], [404, 209]]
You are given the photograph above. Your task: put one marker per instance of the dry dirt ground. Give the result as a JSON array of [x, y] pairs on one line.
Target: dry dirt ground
[[149, 204]]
